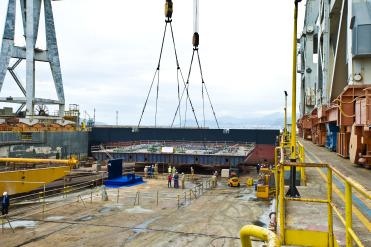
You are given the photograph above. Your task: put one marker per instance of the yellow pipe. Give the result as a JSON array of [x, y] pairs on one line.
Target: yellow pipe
[[285, 124], [277, 177], [329, 208], [70, 162], [255, 231], [293, 103], [348, 214], [282, 204], [306, 200], [308, 165], [276, 156]]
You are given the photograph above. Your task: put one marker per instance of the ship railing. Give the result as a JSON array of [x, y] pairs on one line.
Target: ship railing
[[287, 236], [300, 158]]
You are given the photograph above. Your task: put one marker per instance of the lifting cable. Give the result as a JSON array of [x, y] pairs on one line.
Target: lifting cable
[[207, 93], [185, 89], [195, 42], [168, 15]]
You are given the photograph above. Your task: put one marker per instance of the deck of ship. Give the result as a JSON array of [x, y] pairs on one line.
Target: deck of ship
[[312, 216]]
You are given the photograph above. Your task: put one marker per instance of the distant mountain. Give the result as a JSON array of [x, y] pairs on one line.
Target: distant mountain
[[269, 121]]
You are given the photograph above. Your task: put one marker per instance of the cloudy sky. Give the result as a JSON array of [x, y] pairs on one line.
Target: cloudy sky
[[109, 52]]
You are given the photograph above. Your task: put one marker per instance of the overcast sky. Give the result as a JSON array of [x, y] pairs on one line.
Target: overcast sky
[[109, 51]]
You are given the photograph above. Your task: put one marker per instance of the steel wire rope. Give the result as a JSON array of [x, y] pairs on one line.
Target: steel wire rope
[[178, 69], [184, 83], [156, 72], [207, 92], [185, 89]]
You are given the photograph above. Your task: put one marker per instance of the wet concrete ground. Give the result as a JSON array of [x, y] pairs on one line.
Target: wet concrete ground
[[214, 219]]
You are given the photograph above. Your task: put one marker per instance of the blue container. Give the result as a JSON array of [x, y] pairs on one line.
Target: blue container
[[115, 168], [331, 136]]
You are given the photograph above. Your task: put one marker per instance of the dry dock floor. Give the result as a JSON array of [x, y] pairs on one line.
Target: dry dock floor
[[213, 219]]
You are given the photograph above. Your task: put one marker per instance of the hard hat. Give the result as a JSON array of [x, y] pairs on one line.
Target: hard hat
[[5, 193]]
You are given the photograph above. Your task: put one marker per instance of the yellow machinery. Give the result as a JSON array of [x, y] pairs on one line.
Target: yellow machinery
[[250, 182], [234, 180], [265, 187], [26, 180]]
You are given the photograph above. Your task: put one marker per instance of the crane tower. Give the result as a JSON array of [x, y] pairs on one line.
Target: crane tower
[[30, 10]]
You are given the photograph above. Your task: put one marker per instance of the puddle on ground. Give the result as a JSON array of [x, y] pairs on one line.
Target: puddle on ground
[[20, 224], [141, 227], [86, 218], [105, 210], [138, 210], [55, 218]]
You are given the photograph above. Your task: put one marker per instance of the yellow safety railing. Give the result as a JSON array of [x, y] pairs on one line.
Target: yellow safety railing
[[300, 158], [349, 185], [258, 232]]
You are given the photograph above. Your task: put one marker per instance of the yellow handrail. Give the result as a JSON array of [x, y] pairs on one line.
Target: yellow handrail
[[349, 184], [261, 233]]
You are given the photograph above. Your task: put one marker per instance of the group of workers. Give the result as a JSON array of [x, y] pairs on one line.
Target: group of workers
[[173, 175], [151, 171]]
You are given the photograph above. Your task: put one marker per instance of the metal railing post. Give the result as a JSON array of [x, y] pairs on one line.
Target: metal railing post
[[118, 195], [348, 214], [282, 204], [277, 178], [329, 208], [91, 193], [43, 201], [157, 198], [178, 197], [64, 186]]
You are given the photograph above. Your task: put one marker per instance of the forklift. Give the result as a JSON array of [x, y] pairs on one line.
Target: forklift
[[234, 179]]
